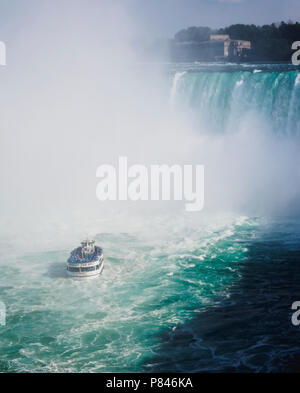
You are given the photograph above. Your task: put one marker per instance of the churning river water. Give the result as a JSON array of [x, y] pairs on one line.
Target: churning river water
[[179, 292]]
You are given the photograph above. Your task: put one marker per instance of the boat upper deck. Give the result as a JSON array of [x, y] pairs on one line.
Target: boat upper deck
[[77, 255]]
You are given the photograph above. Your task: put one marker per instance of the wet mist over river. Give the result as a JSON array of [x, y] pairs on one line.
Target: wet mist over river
[[180, 291]]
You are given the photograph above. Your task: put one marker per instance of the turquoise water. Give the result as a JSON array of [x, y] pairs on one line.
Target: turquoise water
[[112, 324], [179, 292], [222, 99]]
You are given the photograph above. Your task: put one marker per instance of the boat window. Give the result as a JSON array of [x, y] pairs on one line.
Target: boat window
[[73, 269], [88, 269]]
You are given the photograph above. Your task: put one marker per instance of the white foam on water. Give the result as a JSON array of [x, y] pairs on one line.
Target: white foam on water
[[176, 79], [114, 320]]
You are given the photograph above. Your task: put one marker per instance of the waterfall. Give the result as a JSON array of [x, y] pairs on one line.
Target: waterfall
[[221, 100], [176, 79]]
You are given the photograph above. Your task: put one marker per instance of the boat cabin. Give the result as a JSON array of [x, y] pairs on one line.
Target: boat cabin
[[88, 247]]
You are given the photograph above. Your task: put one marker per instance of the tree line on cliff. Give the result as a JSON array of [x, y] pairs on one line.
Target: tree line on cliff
[[268, 43]]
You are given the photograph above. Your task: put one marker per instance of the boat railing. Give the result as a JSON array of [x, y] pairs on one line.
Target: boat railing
[[76, 258]]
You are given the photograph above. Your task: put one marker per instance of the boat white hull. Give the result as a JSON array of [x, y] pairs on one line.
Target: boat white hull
[[80, 273]]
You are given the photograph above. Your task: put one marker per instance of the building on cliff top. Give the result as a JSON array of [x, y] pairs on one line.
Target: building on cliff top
[[219, 47]]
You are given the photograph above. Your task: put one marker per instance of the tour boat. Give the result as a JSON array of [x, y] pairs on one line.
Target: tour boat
[[85, 261]]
